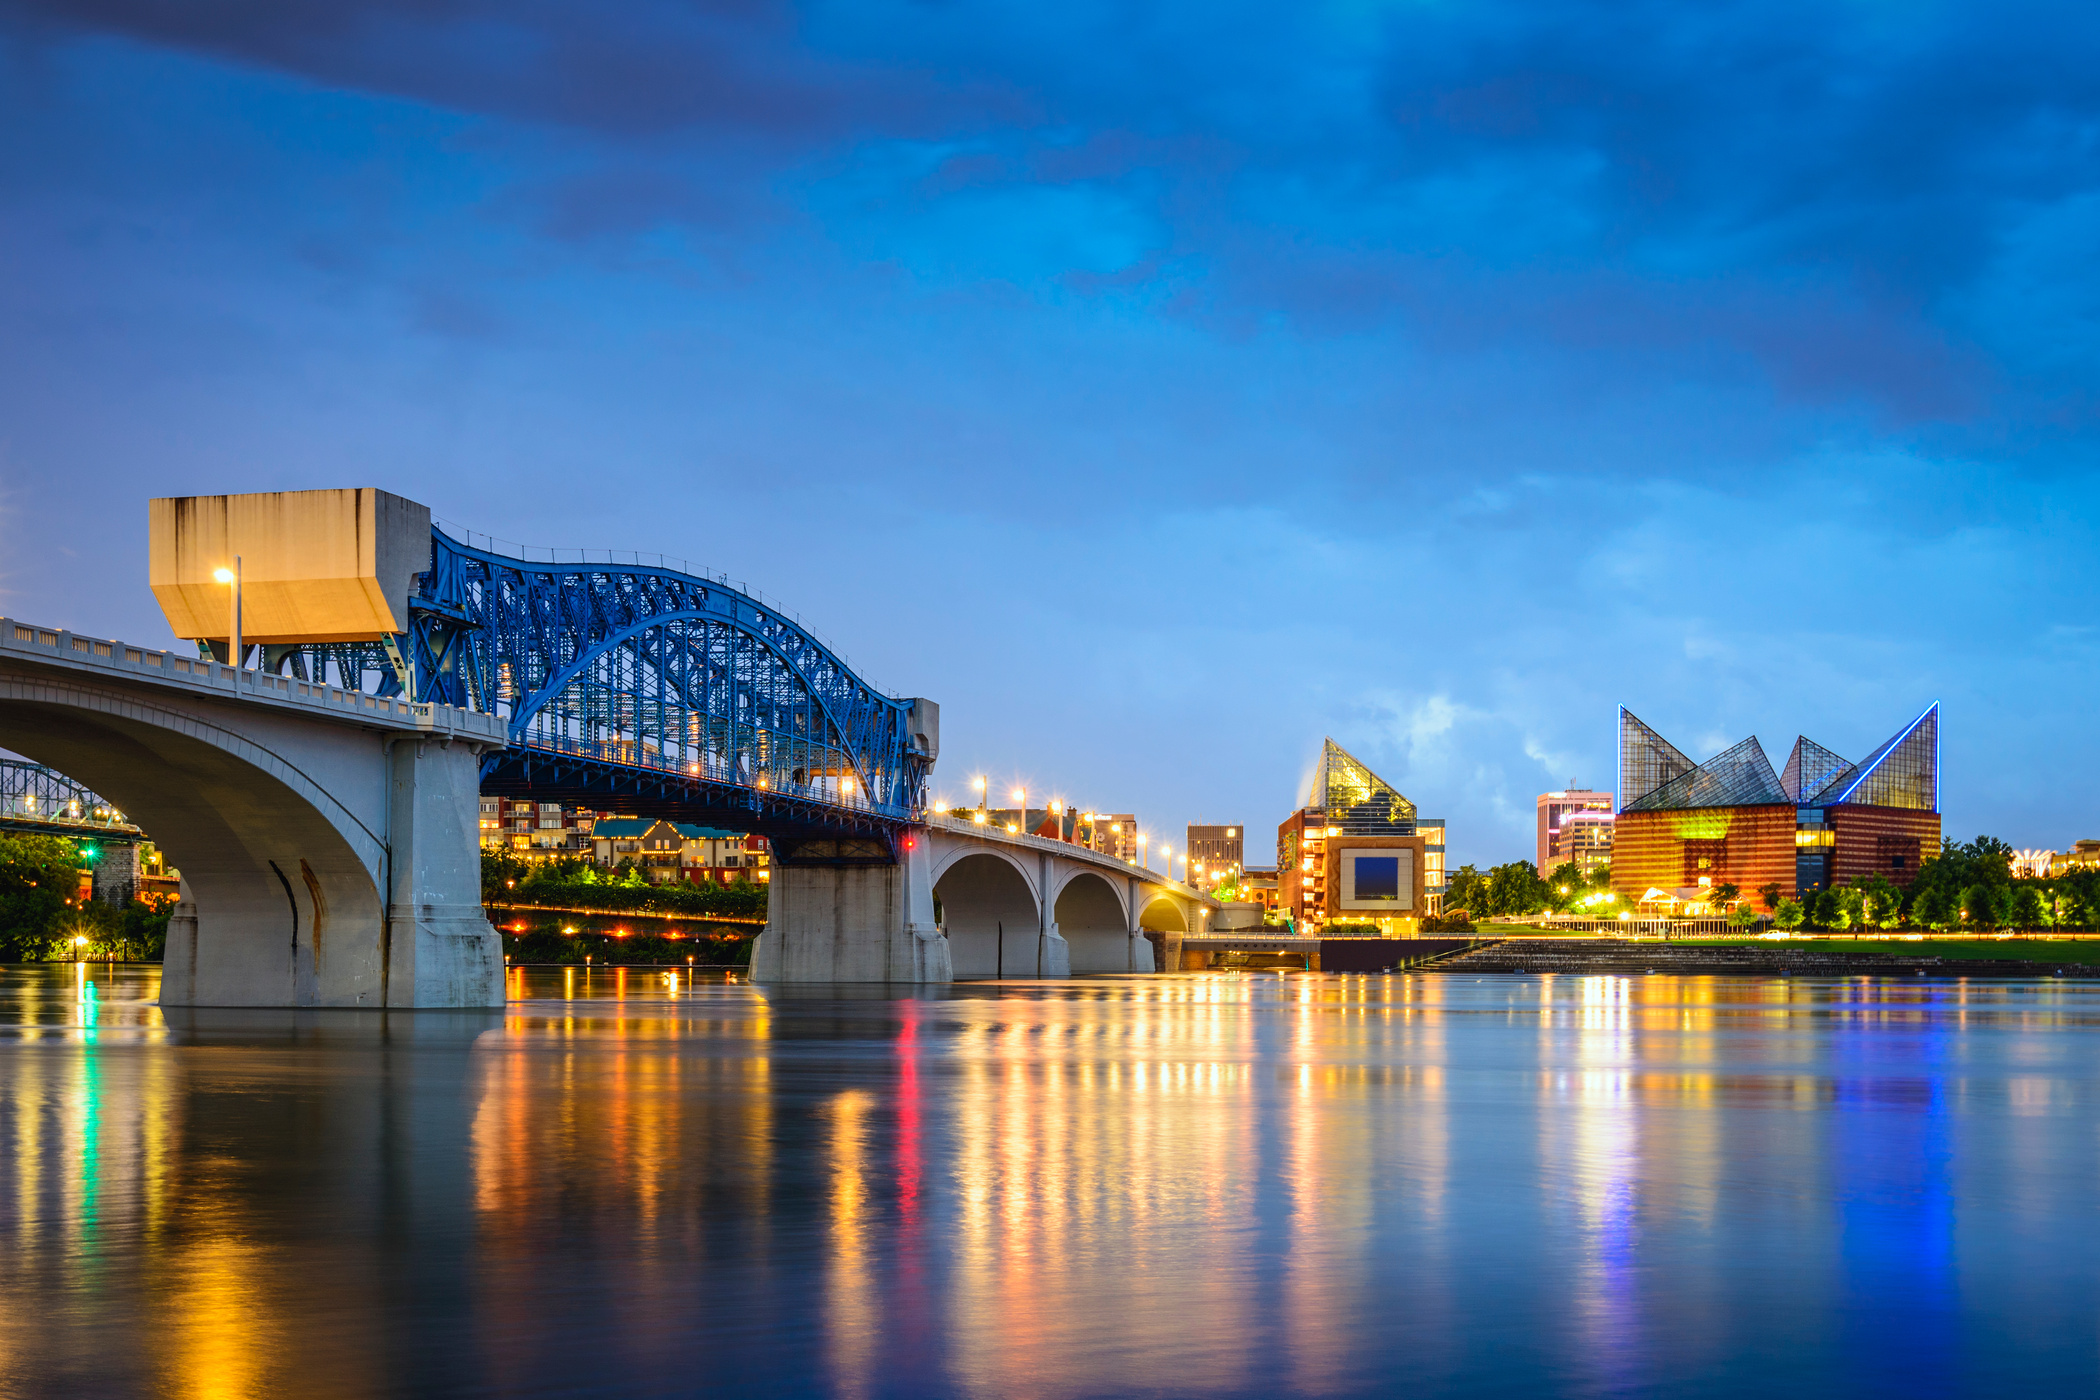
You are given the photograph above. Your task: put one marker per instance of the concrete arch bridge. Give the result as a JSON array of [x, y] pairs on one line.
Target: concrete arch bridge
[[963, 902]]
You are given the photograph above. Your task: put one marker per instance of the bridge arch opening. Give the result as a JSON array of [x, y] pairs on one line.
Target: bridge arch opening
[[1163, 915], [291, 908], [990, 913], [1095, 925]]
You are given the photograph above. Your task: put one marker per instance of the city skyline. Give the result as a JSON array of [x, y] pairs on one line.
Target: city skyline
[[1440, 381]]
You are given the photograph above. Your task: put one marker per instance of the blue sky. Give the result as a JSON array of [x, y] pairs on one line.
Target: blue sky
[[1157, 387]]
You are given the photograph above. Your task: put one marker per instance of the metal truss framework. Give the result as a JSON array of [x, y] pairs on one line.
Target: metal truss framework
[[36, 798], [629, 685]]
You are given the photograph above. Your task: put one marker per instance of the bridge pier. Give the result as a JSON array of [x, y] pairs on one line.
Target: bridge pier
[[853, 923], [328, 839]]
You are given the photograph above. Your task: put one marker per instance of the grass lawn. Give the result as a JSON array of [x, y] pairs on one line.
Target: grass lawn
[[2083, 949]]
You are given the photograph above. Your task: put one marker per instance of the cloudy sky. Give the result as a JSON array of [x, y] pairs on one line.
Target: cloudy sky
[[1159, 387]]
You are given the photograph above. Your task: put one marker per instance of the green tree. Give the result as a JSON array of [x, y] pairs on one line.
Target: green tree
[[1725, 893], [1515, 888], [1881, 903], [1742, 916], [1565, 885], [1769, 893], [39, 876], [2026, 911], [1935, 908], [1463, 890], [1979, 907], [1787, 914]]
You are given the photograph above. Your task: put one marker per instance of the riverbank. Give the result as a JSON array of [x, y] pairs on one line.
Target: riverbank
[[1761, 957]]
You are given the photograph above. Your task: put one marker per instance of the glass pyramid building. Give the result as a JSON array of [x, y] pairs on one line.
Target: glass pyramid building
[[1654, 776], [1733, 822], [1357, 800]]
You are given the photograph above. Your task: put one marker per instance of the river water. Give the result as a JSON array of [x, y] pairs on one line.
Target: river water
[[1200, 1185]]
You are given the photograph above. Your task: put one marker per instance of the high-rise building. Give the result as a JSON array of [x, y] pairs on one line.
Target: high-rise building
[[1585, 841], [1819, 822], [1357, 853], [1554, 809], [1214, 854], [1113, 832]]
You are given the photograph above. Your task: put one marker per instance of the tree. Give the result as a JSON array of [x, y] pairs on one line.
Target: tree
[[1881, 903], [1935, 908], [1742, 916], [39, 875], [1979, 907], [1565, 885], [1514, 888], [1463, 890], [2026, 910], [1769, 893], [1724, 893], [1788, 914]]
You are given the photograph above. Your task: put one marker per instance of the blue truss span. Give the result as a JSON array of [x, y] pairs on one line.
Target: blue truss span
[[633, 685]]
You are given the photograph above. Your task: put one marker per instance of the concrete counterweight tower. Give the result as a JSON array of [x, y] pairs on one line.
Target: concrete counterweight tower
[[328, 839]]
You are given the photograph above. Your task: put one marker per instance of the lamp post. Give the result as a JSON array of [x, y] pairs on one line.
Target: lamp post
[[233, 576], [1020, 811], [978, 781], [1166, 860], [1143, 859]]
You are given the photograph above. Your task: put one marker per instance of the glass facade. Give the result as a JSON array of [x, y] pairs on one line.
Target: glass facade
[[1904, 772], [1736, 777], [1647, 761], [1356, 800], [1808, 768]]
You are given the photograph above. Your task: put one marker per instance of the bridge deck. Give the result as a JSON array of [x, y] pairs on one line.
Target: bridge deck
[[956, 826], [50, 648]]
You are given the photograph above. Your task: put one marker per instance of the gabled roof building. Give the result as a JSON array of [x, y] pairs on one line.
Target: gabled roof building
[[1818, 821]]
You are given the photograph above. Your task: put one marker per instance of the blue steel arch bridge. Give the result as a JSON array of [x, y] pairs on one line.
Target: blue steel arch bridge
[[636, 686], [46, 802]]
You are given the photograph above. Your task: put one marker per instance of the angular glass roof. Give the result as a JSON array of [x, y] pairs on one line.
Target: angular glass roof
[[1808, 768], [1356, 799], [1647, 761], [1904, 772], [1740, 776]]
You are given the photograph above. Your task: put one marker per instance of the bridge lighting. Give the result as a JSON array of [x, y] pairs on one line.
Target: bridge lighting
[[1014, 827], [979, 818], [223, 575], [845, 785]]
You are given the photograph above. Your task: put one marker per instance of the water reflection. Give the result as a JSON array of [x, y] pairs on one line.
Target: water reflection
[[1195, 1185]]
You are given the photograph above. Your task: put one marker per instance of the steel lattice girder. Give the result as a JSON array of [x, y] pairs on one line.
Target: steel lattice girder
[[647, 680]]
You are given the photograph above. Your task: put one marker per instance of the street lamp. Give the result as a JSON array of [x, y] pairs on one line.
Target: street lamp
[[1142, 839], [978, 782], [233, 576], [1020, 822]]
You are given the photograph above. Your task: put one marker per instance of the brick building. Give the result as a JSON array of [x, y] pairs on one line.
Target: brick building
[[1358, 853], [1686, 827]]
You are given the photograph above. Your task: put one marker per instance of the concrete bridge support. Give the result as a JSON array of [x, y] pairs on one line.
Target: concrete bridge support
[[963, 903], [852, 923], [328, 841]]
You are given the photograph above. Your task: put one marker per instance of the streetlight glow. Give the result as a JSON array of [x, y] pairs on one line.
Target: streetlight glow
[[223, 575]]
